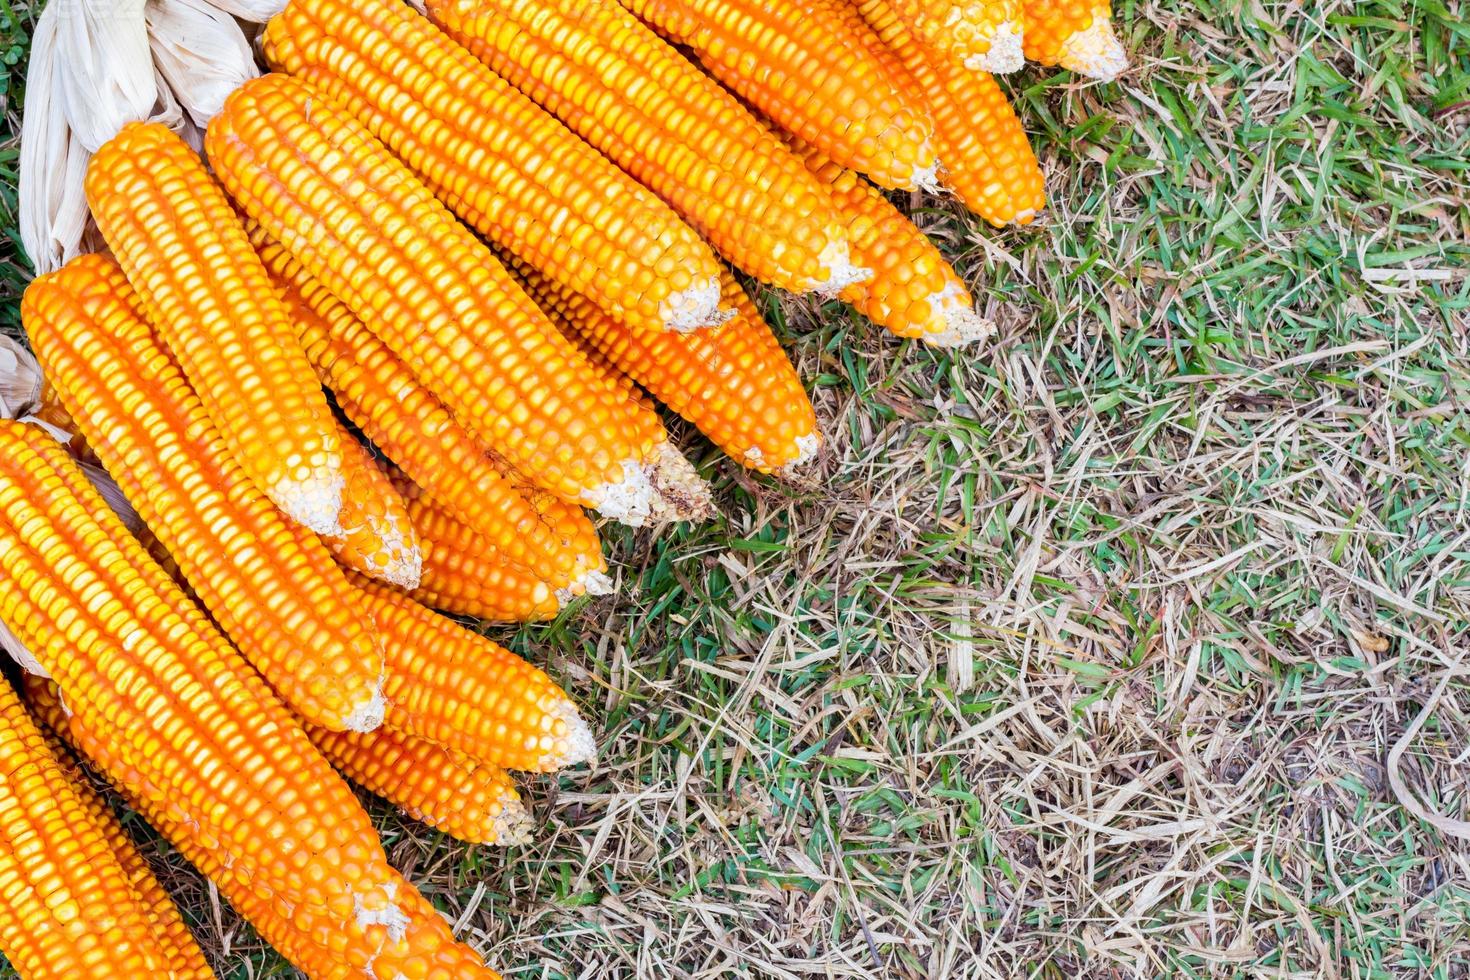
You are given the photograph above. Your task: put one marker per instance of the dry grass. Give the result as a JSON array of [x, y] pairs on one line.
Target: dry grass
[[1114, 650]]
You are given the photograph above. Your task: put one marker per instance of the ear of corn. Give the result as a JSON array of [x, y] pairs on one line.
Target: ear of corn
[[1076, 34], [317, 956], [269, 583], [171, 712], [980, 35], [630, 94], [376, 535], [733, 382], [452, 686], [467, 575], [441, 787], [914, 291], [500, 161], [411, 426], [384, 246], [67, 908], [986, 158], [183, 249], [185, 960], [800, 67]]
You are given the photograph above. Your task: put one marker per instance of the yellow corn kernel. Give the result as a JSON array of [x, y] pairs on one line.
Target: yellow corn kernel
[[1076, 34], [375, 534], [364, 226], [986, 159], [168, 710], [185, 253], [499, 161], [799, 66], [270, 583], [631, 95]]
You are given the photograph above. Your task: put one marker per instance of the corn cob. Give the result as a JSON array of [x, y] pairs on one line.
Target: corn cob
[[169, 709], [377, 536], [184, 251], [318, 960], [358, 221], [733, 383], [981, 35], [499, 161], [467, 575], [270, 583], [440, 787], [987, 160], [814, 80], [1076, 34], [453, 686], [184, 957], [67, 909], [411, 426], [628, 93], [914, 291]]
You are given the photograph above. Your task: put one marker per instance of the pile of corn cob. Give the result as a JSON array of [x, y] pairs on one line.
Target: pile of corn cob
[[370, 356]]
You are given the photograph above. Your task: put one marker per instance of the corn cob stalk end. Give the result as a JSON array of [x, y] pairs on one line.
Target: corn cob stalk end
[[1005, 54], [1095, 51], [681, 494]]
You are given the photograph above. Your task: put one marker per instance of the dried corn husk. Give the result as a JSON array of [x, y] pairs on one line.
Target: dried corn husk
[[201, 52], [255, 11], [105, 68], [20, 380], [53, 162]]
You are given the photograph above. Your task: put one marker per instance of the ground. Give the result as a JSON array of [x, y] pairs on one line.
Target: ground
[[1131, 644]]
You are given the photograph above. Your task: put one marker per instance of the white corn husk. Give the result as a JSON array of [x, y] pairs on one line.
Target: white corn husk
[[53, 162], [106, 70], [254, 11], [201, 52], [20, 380]]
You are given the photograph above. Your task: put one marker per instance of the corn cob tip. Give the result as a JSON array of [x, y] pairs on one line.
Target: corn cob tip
[[694, 308], [578, 745], [806, 448], [841, 272], [1005, 54], [962, 325], [1095, 51], [368, 715], [405, 565], [314, 502], [589, 582], [683, 495]]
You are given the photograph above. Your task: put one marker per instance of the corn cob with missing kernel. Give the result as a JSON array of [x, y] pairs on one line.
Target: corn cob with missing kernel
[[376, 536], [453, 686], [978, 35], [185, 960], [914, 291], [413, 428], [171, 712], [440, 787], [68, 910], [734, 383], [813, 80], [499, 161], [369, 231], [630, 94], [185, 253], [1076, 34], [987, 160], [269, 582]]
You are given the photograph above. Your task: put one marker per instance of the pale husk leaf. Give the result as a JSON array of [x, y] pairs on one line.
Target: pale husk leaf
[[201, 52]]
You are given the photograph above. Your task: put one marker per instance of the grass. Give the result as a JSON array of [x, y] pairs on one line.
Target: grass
[[1101, 652]]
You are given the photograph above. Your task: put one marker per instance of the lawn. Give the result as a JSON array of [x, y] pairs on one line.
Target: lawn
[[1132, 644]]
